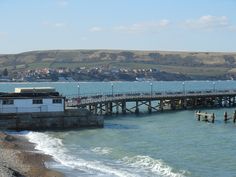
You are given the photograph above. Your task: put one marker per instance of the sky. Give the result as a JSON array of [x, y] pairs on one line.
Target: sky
[[167, 25]]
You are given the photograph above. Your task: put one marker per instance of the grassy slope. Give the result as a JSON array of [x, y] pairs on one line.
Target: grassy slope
[[193, 63]]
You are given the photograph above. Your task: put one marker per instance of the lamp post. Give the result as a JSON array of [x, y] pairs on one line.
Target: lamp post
[[214, 86], [183, 84], [78, 98], [112, 89], [151, 85]]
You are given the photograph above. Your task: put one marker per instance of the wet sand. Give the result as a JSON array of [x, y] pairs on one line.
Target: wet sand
[[18, 158]]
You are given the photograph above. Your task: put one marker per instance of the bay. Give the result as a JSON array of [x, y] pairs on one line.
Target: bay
[[160, 144]]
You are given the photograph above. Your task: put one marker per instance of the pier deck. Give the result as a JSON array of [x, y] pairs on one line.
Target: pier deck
[[153, 101]]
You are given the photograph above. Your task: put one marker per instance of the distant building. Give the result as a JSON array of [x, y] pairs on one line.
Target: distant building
[[38, 99]]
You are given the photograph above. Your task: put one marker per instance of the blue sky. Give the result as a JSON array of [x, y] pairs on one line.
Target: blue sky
[[178, 25]]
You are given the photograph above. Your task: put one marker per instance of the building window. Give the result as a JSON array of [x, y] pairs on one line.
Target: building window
[[37, 101], [56, 101], [7, 102]]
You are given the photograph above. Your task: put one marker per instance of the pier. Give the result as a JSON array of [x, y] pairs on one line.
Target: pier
[[149, 102]]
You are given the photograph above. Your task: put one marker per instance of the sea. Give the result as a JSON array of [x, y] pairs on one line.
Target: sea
[[168, 144]]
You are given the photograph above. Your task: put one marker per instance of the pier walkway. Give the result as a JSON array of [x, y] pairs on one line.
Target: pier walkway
[[108, 104]]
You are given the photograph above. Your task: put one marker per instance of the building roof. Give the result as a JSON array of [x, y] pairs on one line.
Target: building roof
[[4, 95], [35, 90]]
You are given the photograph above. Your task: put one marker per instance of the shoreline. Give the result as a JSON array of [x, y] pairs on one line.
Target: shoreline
[[19, 158]]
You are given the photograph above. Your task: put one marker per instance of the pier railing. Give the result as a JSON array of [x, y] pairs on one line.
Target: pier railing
[[79, 100]]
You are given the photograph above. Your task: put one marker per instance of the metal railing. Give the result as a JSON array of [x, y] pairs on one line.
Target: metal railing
[[95, 98]]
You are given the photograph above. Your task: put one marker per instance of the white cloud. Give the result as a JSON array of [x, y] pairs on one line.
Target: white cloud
[[95, 29], [164, 23], [63, 2], [143, 27], [208, 22], [59, 25], [54, 24]]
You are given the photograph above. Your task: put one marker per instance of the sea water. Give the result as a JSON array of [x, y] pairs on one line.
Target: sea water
[[160, 144]]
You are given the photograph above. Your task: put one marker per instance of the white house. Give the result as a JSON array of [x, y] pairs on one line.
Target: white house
[[37, 99]]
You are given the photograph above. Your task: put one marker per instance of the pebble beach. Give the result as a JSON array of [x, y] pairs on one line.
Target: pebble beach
[[18, 158]]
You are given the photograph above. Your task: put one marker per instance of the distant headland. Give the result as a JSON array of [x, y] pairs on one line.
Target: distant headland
[[112, 65]]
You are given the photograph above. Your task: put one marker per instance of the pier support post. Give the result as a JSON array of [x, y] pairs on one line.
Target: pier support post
[[149, 107], [172, 104], [123, 107], [230, 101], [117, 108], [185, 103], [106, 108], [161, 105], [95, 109], [110, 108], [220, 101], [136, 108], [100, 107]]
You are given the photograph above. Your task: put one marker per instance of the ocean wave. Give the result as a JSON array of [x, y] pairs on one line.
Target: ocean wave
[[157, 167], [102, 150], [54, 147]]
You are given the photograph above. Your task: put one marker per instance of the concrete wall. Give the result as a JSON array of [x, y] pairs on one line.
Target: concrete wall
[[79, 118], [25, 105]]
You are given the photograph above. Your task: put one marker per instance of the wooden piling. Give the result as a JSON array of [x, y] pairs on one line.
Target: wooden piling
[[225, 116], [207, 117], [234, 117], [213, 118]]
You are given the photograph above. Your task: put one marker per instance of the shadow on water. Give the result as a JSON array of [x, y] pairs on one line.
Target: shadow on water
[[119, 126]]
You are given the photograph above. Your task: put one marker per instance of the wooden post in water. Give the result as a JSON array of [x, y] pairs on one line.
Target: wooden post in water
[[199, 116], [213, 118], [225, 117], [234, 117], [206, 117]]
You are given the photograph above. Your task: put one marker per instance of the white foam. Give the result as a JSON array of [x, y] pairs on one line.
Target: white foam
[[102, 150], [54, 147], [155, 166]]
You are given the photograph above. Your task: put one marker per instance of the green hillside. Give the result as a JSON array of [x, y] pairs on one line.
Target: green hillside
[[190, 63]]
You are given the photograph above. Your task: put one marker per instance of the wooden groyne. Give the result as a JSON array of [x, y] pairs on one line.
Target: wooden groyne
[[204, 116], [69, 119], [210, 117]]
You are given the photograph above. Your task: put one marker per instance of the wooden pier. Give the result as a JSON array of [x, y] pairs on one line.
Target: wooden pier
[[153, 102]]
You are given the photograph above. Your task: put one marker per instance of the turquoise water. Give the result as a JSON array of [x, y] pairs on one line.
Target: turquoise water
[[160, 144]]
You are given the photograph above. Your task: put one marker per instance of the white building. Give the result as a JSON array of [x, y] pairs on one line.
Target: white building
[[38, 99]]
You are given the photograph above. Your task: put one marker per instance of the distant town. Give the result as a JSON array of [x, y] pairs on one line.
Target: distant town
[[87, 74]]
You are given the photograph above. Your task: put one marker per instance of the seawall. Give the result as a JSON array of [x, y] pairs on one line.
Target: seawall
[[69, 119]]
